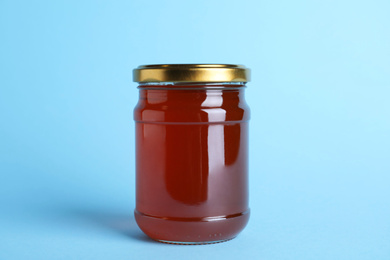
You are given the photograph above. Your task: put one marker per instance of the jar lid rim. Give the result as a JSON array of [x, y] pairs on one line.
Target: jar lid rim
[[191, 73]]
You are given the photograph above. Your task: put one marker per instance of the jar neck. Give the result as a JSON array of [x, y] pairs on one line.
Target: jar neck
[[191, 85]]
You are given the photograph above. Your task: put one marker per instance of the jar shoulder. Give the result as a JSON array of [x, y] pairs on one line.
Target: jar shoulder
[[160, 106]]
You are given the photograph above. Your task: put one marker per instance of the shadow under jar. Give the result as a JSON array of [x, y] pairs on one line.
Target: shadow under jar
[[191, 152]]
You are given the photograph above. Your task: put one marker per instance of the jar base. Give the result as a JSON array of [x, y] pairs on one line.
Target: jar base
[[173, 231], [193, 243]]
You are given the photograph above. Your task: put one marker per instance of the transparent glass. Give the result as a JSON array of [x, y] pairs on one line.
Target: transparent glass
[[191, 161]]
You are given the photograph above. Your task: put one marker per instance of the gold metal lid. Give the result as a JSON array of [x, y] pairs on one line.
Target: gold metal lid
[[191, 73]]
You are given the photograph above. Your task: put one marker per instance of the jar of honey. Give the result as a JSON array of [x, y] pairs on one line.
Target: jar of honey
[[191, 152]]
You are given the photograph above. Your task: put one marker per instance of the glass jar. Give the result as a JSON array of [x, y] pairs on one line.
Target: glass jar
[[191, 152]]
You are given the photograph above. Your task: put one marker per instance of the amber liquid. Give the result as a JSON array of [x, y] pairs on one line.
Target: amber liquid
[[191, 165]]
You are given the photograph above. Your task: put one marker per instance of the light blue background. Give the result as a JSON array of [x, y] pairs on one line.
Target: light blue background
[[320, 145]]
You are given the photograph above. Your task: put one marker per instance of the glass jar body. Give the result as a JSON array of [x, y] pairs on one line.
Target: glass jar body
[[191, 161]]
